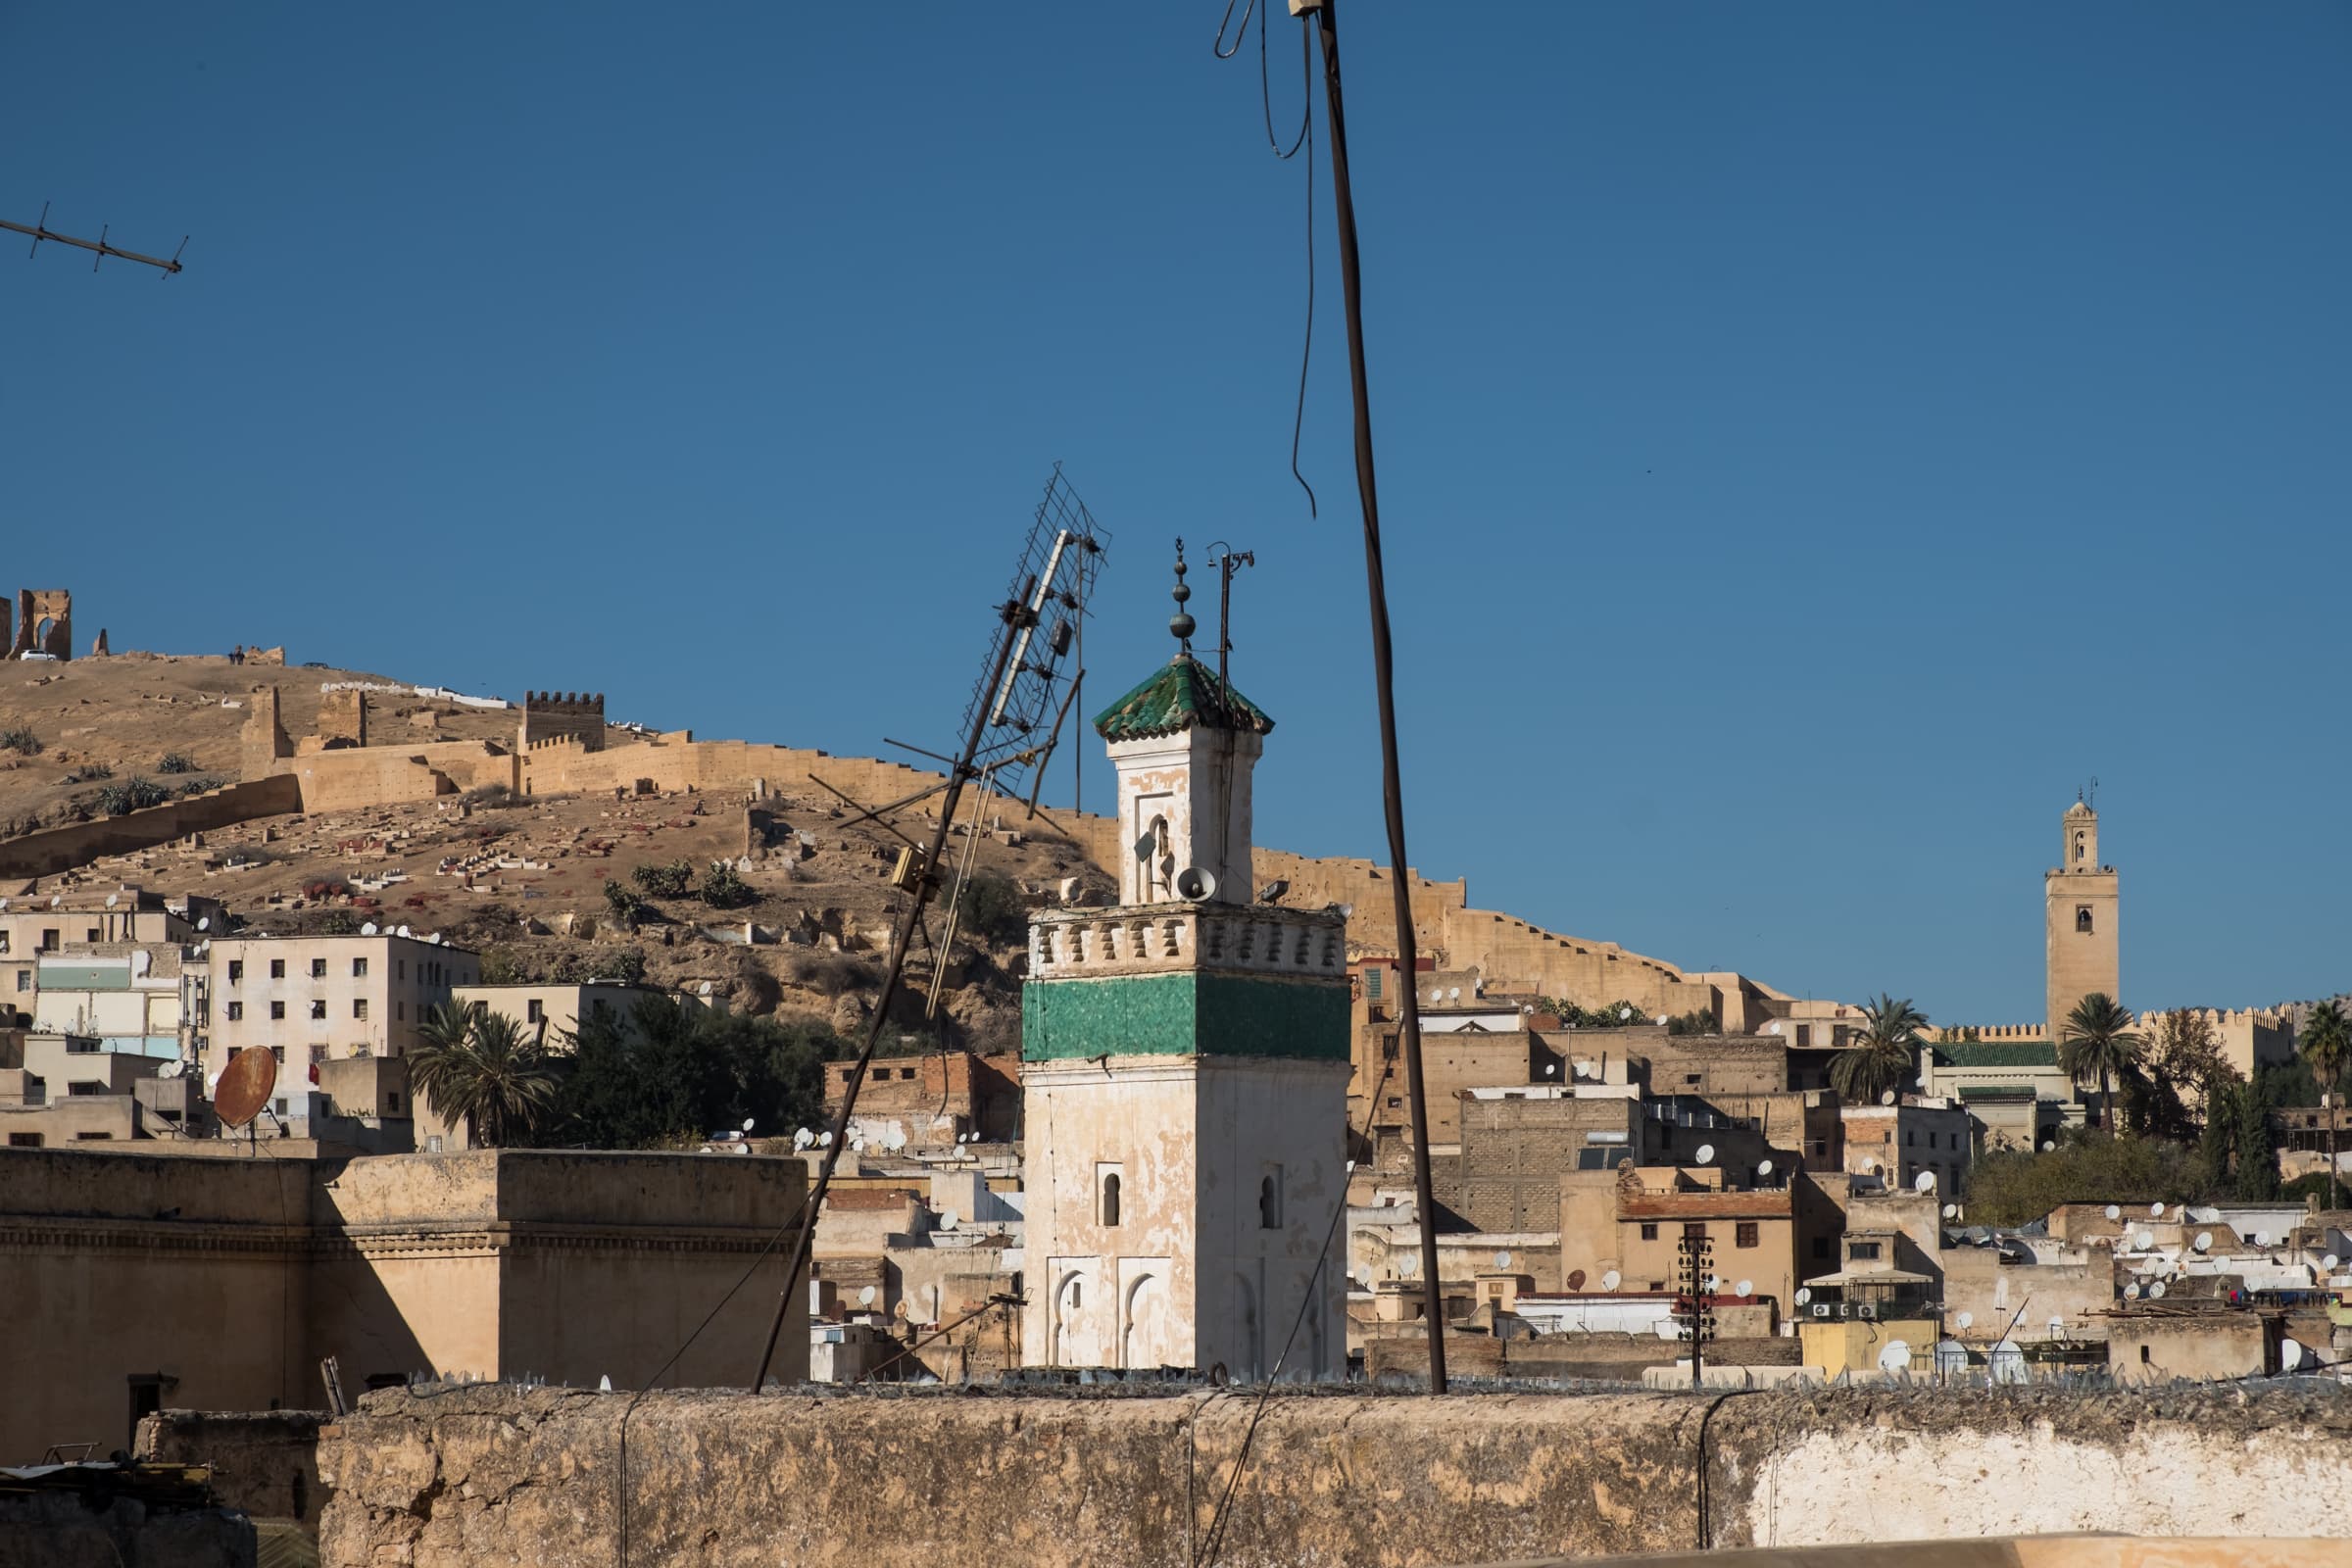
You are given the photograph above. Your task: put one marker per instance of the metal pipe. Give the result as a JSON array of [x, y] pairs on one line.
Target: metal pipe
[[1433, 1303]]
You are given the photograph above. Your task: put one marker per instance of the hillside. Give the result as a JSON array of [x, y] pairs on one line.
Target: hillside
[[521, 881]]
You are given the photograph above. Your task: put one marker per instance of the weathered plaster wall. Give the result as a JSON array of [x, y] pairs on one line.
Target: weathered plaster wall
[[58, 848], [265, 1463], [489, 1478]]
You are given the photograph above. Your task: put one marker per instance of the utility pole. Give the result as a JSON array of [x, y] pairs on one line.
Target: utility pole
[[1432, 1305], [42, 231], [1227, 561]]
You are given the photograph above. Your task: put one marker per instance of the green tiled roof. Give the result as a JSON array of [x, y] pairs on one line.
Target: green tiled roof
[[1996, 1053], [1182, 693], [1997, 1091]]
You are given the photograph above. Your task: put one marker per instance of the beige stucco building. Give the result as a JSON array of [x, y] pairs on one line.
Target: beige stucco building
[[312, 999], [551, 1013], [134, 1281]]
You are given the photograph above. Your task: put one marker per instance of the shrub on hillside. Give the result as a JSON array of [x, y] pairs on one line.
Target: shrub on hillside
[[174, 762], [994, 908], [671, 881], [21, 740], [724, 888], [200, 786], [623, 906], [831, 973], [89, 773], [132, 795]]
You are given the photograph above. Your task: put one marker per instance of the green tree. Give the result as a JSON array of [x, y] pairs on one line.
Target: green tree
[[2185, 1051], [724, 888], [2256, 1148], [2097, 1040], [671, 881], [2218, 1138], [2016, 1186], [1885, 1056], [2326, 1044], [992, 907], [673, 1072], [621, 905], [485, 1069]]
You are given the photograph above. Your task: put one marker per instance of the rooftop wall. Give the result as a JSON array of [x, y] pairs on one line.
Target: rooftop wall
[[503, 1477]]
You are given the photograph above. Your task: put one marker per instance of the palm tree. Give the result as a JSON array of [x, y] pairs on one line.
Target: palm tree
[[2326, 1044], [1886, 1055], [2097, 1038], [482, 1067]]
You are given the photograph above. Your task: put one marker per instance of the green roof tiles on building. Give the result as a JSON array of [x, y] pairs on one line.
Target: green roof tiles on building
[[1998, 1092], [1996, 1053], [1181, 694]]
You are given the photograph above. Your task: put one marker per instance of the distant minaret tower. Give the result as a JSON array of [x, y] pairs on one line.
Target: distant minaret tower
[[2079, 902], [1185, 1065]]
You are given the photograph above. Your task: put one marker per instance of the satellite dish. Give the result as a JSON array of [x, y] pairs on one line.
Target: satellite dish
[[1744, 1288], [2131, 1292], [368, 929], [1967, 1320], [1194, 885], [2115, 1212], [866, 1297], [1610, 1280], [1409, 1266], [749, 1122], [1887, 1097], [2204, 1242], [401, 932], [1661, 1021], [2329, 1262], [2155, 1211], [1453, 993], [1706, 1151], [1624, 1013], [2262, 1238], [2048, 1144], [1804, 1293], [2144, 1241], [1503, 1260], [1870, 1162], [857, 1145], [1549, 1069], [706, 990], [1763, 1167], [1897, 1358], [1951, 1211], [1925, 1182], [244, 1086], [1576, 1278], [2291, 1355], [113, 899], [205, 924], [803, 1138], [57, 900], [946, 1217], [604, 1385], [824, 1140], [2156, 1291]]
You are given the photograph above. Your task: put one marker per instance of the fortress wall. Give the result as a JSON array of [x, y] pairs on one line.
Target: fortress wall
[[495, 1477], [60, 849], [355, 778]]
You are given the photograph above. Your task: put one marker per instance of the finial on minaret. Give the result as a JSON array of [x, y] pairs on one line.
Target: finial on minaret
[[1180, 624]]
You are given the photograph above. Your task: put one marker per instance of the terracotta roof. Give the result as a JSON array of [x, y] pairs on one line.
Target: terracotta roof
[[1768, 1204], [1180, 694]]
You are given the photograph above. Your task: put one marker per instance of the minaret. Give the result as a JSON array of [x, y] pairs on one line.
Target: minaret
[[2081, 902], [1185, 1065]]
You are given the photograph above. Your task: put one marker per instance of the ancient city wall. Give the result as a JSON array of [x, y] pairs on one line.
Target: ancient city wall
[[349, 780], [59, 848], [508, 1477]]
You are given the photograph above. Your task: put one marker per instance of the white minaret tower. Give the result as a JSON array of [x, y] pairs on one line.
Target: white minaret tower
[[1185, 1065]]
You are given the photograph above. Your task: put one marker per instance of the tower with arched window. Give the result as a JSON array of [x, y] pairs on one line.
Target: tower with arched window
[[1185, 1069], [2080, 902]]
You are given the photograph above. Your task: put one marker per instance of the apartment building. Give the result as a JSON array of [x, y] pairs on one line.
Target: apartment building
[[319, 999]]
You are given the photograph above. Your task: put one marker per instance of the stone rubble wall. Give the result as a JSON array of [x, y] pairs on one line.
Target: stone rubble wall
[[491, 1476]]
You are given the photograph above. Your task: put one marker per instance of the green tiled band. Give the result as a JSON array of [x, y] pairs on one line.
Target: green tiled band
[[1188, 1014]]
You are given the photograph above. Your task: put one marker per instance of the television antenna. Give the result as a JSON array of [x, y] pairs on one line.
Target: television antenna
[[1227, 561], [42, 231], [1005, 734]]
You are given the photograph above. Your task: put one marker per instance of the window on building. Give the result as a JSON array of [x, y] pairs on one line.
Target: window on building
[[1110, 1199], [400, 1012], [1821, 1248], [318, 1055], [92, 1138], [85, 1089], [1695, 1230], [318, 1007], [23, 979], [848, 1075], [1744, 1234], [3, 941], [400, 969], [279, 1052], [1372, 983], [280, 1108], [391, 1102], [236, 1010], [359, 968], [236, 970], [1649, 1232], [905, 1072], [278, 1010], [49, 942], [1691, 1080], [1805, 1035], [277, 968], [2144, 1355], [24, 1139], [2083, 918], [359, 1008], [93, 935], [1395, 1101], [1863, 1251], [1269, 1200], [533, 1011]]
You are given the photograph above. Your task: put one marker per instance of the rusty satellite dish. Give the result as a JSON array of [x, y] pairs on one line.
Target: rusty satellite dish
[[244, 1086]]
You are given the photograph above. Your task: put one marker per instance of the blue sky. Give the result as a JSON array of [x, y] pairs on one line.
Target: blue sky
[[1814, 440]]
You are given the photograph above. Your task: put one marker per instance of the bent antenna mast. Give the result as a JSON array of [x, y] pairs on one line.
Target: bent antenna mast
[[42, 231]]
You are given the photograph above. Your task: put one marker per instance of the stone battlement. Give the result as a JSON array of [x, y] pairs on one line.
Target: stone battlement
[[1156, 938]]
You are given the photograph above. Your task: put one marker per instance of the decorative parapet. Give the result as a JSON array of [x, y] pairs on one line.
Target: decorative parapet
[[1157, 938]]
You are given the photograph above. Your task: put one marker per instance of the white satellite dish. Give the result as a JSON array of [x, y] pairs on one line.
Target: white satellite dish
[[2291, 1355], [1706, 1152], [1763, 1167], [857, 1145], [604, 1385], [1611, 1280], [3, 906], [1503, 1260], [2132, 1293], [57, 900], [401, 932], [2262, 1238], [1409, 1266], [2329, 1262], [1744, 1288], [2204, 1242], [1924, 1182], [1453, 993], [866, 1297], [368, 929], [946, 1217], [2048, 1144], [113, 899], [2155, 1211], [749, 1122], [2115, 1212], [1549, 1069], [803, 1138], [1887, 1097], [1897, 1358], [1870, 1162], [824, 1140], [1775, 1029], [706, 990], [1951, 1211], [1661, 1021], [1624, 1013], [2144, 1241], [1804, 1293], [2156, 1291], [1967, 1320]]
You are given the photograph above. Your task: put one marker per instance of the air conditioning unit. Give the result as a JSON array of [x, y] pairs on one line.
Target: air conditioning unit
[[1821, 1310], [1867, 1309]]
